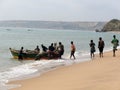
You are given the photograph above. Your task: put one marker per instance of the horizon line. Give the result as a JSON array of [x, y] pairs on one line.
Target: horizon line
[[53, 21]]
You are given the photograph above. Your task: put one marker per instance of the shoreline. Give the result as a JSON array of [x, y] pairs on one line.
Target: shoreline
[[98, 73]]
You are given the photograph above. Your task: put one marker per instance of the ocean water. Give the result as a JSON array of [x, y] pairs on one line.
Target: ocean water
[[29, 38]]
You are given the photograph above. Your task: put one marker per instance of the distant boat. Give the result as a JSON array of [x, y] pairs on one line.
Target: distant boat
[[33, 55], [97, 30], [29, 30], [8, 29]]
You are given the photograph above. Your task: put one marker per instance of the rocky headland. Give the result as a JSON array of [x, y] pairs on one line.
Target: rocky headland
[[112, 25], [54, 24]]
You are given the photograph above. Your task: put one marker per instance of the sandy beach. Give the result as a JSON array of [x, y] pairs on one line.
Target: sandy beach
[[97, 74]]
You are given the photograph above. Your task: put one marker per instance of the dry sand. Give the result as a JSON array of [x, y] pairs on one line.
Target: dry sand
[[97, 74]]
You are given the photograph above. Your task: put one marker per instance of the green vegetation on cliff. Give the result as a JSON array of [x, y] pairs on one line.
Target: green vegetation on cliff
[[112, 25]]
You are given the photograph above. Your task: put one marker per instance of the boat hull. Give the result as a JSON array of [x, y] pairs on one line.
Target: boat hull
[[26, 56], [32, 55]]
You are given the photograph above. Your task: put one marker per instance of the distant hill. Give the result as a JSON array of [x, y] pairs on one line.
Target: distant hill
[[112, 25], [54, 25]]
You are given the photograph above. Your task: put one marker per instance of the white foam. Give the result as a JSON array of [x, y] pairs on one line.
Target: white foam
[[25, 70], [37, 68]]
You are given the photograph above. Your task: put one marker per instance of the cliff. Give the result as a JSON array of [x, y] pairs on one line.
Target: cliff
[[53, 25], [112, 25]]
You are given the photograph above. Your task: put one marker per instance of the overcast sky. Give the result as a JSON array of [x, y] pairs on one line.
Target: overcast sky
[[60, 10]]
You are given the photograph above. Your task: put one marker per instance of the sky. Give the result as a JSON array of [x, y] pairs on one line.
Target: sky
[[60, 10]]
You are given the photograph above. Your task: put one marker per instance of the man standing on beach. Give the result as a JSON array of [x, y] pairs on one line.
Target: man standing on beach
[[20, 55], [60, 49], [92, 48], [101, 45], [72, 50], [115, 43]]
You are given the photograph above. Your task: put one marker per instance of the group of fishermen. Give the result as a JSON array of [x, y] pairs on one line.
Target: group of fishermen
[[101, 45], [51, 51]]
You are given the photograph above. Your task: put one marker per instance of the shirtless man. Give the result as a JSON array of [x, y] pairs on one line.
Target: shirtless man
[[72, 50]]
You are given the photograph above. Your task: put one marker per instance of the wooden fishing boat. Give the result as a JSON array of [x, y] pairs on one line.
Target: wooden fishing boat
[[33, 55], [27, 55]]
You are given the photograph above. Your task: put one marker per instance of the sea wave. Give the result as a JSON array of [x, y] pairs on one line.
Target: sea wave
[[29, 70]]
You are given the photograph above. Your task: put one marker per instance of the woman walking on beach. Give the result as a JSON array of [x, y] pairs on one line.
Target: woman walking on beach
[[92, 48], [72, 50], [101, 45], [115, 43]]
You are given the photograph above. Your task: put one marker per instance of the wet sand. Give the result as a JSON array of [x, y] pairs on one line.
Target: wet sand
[[97, 74]]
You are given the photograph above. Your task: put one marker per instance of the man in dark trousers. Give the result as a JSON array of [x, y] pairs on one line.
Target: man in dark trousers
[[101, 45], [115, 43], [20, 55]]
